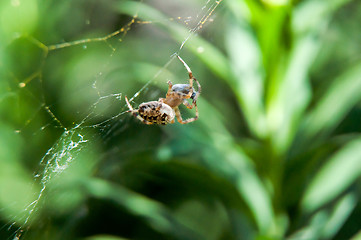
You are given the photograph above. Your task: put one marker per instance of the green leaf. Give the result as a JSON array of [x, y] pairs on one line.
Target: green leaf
[[357, 236], [334, 177], [338, 217], [314, 15], [105, 237], [326, 223], [246, 64], [332, 108], [294, 93]]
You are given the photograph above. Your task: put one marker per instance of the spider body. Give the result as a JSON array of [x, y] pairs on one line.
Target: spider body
[[165, 109], [156, 112]]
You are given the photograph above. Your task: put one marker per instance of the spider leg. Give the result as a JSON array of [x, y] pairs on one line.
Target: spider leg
[[179, 116], [129, 106], [135, 113], [198, 85], [198, 92], [170, 85], [191, 79], [188, 105], [188, 70]]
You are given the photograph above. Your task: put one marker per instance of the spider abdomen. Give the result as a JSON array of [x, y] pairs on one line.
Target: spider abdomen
[[156, 112]]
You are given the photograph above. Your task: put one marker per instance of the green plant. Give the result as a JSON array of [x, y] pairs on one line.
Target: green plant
[[275, 154]]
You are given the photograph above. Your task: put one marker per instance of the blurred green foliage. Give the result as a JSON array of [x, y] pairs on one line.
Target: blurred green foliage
[[276, 153]]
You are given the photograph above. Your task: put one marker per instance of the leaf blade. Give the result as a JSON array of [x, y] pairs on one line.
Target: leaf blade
[[337, 174]]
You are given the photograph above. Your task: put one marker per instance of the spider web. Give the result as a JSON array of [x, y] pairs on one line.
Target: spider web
[[102, 116]]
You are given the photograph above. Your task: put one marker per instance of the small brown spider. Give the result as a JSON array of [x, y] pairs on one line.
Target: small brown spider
[[165, 109]]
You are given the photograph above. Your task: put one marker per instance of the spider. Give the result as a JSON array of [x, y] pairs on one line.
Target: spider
[[165, 109]]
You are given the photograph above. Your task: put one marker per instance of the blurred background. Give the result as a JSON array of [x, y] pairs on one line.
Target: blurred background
[[275, 154]]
